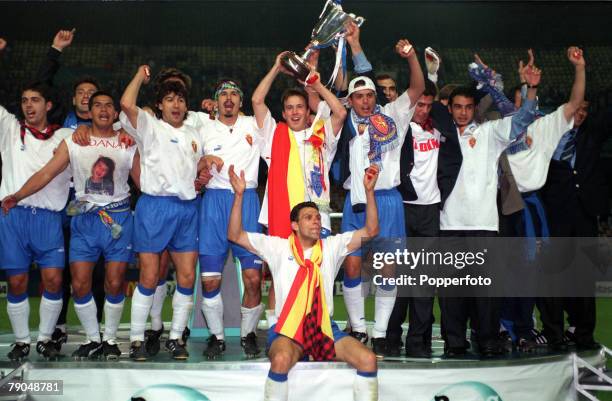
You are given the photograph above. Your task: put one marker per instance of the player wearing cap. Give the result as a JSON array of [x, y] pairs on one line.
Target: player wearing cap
[[377, 134]]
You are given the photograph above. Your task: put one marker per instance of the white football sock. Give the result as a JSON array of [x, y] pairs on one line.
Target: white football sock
[[181, 311], [141, 304], [19, 314], [213, 313], [365, 388], [112, 318], [87, 314], [354, 301], [49, 311], [276, 390], [156, 309], [250, 318], [383, 304]]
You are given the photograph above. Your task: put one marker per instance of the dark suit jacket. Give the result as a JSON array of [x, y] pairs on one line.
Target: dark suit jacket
[[449, 156], [583, 186], [445, 126]]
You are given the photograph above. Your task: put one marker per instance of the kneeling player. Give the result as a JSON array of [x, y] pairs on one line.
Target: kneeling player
[[304, 268]]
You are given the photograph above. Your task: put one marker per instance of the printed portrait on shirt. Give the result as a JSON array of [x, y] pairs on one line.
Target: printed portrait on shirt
[[101, 180]]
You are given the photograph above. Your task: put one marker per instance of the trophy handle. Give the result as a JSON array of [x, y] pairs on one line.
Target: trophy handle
[[327, 3], [359, 21]]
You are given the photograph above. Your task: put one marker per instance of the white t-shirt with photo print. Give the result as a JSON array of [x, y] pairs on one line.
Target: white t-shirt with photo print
[[101, 170]]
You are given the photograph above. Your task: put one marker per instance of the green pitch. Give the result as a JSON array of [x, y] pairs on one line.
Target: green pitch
[[603, 331]]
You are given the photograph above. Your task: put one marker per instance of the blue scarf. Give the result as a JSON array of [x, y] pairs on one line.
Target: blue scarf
[[382, 131]]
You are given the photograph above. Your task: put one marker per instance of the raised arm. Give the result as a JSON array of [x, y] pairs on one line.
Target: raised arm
[[235, 232], [432, 63], [491, 82], [313, 97], [130, 95], [57, 164], [575, 56], [259, 96], [417, 80], [337, 109], [526, 113], [371, 228], [51, 64]]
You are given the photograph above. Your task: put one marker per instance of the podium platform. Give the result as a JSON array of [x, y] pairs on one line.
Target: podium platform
[[515, 377]]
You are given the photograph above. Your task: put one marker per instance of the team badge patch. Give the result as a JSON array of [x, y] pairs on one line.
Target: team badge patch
[[249, 139], [472, 142], [194, 146], [378, 121], [528, 141]]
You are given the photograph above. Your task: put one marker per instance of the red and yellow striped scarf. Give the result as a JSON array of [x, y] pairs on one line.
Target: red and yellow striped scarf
[[285, 181], [305, 316]]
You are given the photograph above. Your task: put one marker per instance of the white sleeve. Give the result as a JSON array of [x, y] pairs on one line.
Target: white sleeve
[[199, 120], [266, 247], [132, 152], [145, 123], [551, 128], [267, 134], [126, 125], [69, 145], [323, 110], [401, 111], [498, 131], [331, 141], [7, 124], [337, 244]]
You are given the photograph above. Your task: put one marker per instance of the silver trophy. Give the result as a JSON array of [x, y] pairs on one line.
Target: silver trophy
[[329, 29]]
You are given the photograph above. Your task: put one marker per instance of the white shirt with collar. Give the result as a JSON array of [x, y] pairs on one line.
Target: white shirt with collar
[[472, 204], [239, 145], [530, 166], [168, 156], [20, 161]]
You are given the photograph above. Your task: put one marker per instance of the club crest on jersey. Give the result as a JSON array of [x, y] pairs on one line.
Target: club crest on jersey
[[528, 141], [249, 139], [472, 142], [194, 146]]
